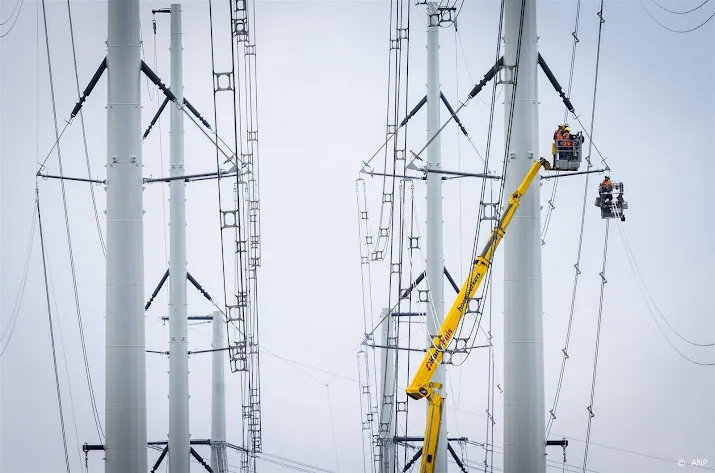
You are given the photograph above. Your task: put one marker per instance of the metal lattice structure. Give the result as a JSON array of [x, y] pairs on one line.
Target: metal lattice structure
[[388, 360], [375, 250], [233, 51]]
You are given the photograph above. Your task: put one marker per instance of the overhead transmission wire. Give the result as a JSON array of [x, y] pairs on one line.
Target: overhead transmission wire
[[674, 30], [591, 415], [399, 7], [52, 333], [636, 269], [471, 442], [411, 273], [397, 253], [360, 399], [18, 3], [95, 411], [595, 444], [218, 180], [218, 163], [161, 146], [21, 290], [366, 290], [631, 261], [84, 133], [705, 2], [64, 357], [550, 209], [555, 464], [577, 268], [14, 21], [400, 45], [332, 429], [605, 254], [244, 267]]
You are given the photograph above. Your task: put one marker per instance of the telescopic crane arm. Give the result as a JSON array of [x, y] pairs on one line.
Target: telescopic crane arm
[[422, 385]]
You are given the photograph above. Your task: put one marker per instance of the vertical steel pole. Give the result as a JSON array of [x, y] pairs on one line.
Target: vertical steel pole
[[125, 411], [524, 408], [179, 448]]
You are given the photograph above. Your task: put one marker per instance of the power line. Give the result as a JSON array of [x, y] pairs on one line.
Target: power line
[[12, 26], [49, 317], [21, 290], [577, 272], [671, 29], [591, 415], [680, 12], [642, 286], [19, 3], [595, 444], [551, 206], [630, 452], [605, 250], [576, 439], [64, 357], [95, 411], [661, 329], [84, 133], [161, 148]]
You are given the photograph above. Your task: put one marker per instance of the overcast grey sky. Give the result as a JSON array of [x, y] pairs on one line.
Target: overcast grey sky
[[322, 70]]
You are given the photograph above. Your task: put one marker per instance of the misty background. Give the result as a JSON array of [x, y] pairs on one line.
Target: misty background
[[322, 85]]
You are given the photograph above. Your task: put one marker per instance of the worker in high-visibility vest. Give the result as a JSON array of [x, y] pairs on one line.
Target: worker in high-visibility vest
[[605, 190], [558, 136]]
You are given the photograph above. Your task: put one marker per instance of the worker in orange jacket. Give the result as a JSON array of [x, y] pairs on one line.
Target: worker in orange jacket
[[563, 139], [606, 190]]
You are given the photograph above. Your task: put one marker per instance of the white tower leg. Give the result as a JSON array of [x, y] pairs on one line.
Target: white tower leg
[[125, 411], [435, 251], [524, 409], [179, 447]]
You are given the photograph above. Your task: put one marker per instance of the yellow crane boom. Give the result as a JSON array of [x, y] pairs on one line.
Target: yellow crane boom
[[422, 385]]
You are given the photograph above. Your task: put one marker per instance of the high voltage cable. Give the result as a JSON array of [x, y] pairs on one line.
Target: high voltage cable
[[161, 145], [95, 411], [605, 247], [21, 290], [84, 133], [705, 2], [18, 3], [642, 286], [12, 26], [666, 337], [551, 207], [49, 317], [67, 225], [399, 47], [64, 357], [577, 273], [598, 339], [671, 29], [335, 374]]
